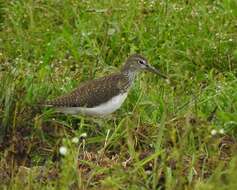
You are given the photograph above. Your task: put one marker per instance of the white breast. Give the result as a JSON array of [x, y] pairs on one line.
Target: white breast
[[100, 110]]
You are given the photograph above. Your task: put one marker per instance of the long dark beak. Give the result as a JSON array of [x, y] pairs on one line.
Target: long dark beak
[[156, 71]]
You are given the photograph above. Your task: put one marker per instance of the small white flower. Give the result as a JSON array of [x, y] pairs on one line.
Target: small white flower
[[111, 31], [83, 135], [167, 81], [222, 131], [75, 140], [63, 150], [213, 132], [230, 40]]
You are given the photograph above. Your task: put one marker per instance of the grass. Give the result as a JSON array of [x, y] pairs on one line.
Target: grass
[[161, 137]]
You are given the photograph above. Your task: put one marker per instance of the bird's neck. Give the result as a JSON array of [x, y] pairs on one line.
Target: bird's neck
[[130, 74]]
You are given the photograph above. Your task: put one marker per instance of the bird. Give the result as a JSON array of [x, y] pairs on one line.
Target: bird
[[103, 96]]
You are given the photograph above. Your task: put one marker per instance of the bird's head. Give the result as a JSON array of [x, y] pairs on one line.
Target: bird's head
[[137, 62]]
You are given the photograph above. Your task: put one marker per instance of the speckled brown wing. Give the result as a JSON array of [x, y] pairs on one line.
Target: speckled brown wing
[[94, 92]]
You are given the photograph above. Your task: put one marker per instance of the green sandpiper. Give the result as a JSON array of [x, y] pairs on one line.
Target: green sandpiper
[[103, 96]]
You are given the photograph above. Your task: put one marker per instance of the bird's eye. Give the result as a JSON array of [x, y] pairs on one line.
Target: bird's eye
[[142, 62]]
